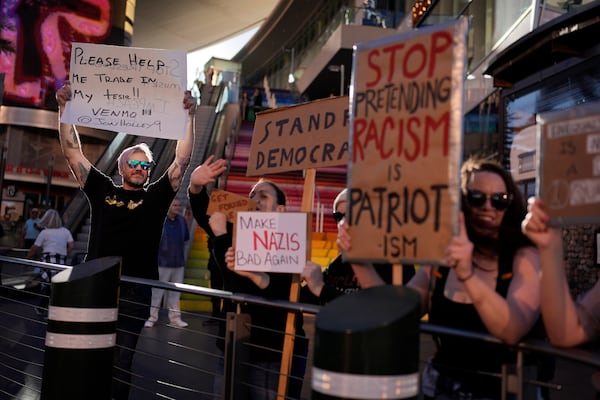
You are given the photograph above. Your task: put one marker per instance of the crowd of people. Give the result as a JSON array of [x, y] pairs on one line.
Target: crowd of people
[[490, 282]]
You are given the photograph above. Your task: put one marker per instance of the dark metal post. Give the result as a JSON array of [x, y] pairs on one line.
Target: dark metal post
[[367, 346], [235, 356], [2, 168], [81, 333], [49, 182]]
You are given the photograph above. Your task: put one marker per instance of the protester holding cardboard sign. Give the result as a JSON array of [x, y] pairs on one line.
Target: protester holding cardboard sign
[[267, 336], [127, 221], [568, 323], [492, 284], [339, 277], [268, 324]]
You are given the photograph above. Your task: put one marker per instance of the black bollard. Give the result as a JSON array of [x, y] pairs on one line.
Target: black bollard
[[81, 332], [367, 346]]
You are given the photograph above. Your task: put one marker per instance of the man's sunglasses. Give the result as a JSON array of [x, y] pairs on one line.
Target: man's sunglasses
[[500, 201], [144, 164], [338, 216]]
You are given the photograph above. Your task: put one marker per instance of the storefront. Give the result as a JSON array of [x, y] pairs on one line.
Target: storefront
[[556, 67]]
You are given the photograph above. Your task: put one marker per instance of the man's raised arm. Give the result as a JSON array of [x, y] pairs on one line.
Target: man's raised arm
[[183, 151], [69, 139]]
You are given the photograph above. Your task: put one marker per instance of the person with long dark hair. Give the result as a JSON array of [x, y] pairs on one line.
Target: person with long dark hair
[[489, 284]]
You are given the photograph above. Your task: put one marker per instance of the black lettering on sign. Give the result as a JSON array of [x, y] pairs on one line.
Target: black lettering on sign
[[394, 246], [290, 157], [303, 124], [82, 59], [388, 210]]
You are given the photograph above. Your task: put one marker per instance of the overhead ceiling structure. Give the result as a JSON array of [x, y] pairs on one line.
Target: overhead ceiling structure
[[191, 25]]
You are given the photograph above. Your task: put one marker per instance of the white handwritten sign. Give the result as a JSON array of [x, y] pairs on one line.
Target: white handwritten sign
[[128, 89], [270, 241]]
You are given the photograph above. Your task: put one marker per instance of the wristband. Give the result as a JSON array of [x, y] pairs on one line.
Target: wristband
[[463, 280]]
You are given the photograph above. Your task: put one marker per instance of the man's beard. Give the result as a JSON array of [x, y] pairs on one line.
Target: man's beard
[[136, 185]]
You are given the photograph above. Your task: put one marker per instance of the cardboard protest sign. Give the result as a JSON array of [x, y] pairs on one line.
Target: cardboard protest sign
[[406, 144], [569, 164], [229, 203], [271, 241], [128, 89], [293, 138]]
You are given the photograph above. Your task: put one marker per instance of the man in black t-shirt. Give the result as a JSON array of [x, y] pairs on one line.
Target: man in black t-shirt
[[127, 222]]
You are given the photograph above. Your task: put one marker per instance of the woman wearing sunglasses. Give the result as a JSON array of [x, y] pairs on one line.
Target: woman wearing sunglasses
[[491, 285]]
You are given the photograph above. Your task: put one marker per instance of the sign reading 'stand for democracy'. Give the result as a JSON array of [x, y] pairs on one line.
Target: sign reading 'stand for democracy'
[[128, 89], [293, 138], [406, 144], [271, 241], [569, 172]]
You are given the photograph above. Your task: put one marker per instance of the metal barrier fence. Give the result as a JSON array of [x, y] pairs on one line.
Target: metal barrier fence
[[185, 363]]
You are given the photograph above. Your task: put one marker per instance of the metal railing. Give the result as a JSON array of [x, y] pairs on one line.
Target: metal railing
[[185, 363]]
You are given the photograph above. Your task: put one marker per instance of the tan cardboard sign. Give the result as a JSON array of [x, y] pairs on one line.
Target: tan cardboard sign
[[302, 136], [406, 144], [229, 203], [569, 164]]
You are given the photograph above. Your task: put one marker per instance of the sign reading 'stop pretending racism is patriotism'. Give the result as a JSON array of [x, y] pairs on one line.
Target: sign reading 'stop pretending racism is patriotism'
[[127, 89], [406, 105]]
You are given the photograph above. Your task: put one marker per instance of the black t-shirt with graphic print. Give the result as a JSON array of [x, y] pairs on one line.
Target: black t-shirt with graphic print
[[127, 223]]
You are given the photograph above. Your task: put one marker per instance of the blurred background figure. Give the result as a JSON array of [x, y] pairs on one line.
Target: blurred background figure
[[171, 266], [31, 228], [52, 245], [54, 241]]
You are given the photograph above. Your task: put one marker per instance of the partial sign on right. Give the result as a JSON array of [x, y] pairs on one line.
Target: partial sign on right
[[569, 164]]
